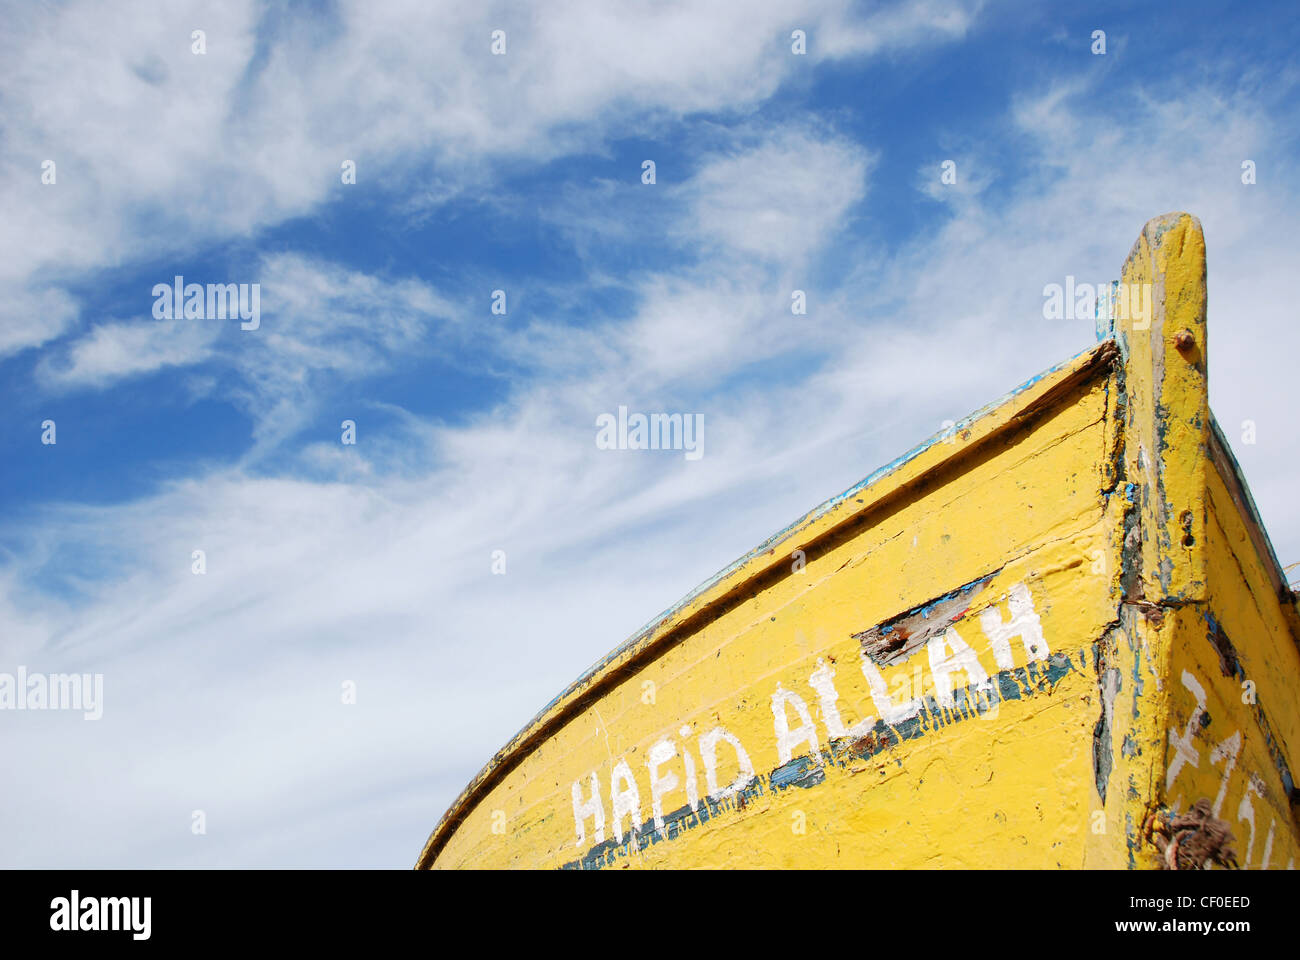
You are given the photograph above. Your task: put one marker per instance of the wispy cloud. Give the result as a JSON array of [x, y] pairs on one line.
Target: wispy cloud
[[399, 89], [112, 351], [779, 200]]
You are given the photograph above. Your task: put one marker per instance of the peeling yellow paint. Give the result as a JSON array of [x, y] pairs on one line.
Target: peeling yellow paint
[[978, 659]]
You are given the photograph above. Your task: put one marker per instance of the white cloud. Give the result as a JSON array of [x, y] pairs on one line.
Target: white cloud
[[160, 151], [781, 199], [112, 351], [30, 317], [320, 322]]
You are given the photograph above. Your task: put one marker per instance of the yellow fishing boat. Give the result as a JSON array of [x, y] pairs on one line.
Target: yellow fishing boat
[[1055, 635]]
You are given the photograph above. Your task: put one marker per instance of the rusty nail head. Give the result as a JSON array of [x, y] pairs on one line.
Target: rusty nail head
[[1184, 340]]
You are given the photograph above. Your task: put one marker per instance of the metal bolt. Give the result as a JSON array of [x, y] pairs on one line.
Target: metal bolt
[[1184, 340]]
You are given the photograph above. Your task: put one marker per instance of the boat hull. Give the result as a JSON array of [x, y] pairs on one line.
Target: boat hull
[[1035, 641]]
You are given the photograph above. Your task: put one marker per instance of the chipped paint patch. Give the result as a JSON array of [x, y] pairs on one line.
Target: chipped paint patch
[[896, 639], [1103, 756]]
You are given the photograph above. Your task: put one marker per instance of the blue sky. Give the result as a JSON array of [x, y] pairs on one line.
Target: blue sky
[[370, 563]]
